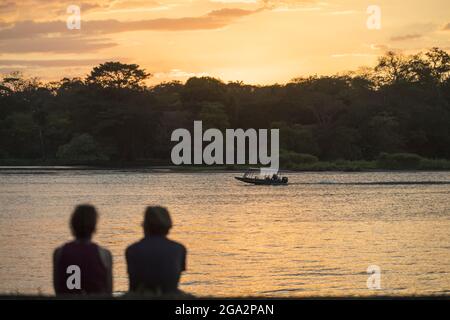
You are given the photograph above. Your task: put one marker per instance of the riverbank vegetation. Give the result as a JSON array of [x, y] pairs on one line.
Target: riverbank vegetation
[[337, 165], [393, 116]]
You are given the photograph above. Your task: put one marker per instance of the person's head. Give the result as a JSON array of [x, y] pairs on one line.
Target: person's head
[[157, 221], [83, 221]]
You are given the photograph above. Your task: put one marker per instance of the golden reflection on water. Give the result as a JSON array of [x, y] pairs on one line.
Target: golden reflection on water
[[299, 240]]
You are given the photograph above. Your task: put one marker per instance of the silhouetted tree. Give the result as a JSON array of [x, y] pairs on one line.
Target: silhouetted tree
[[118, 76], [400, 105]]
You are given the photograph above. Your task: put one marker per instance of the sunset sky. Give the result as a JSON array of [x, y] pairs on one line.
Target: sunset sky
[[255, 41]]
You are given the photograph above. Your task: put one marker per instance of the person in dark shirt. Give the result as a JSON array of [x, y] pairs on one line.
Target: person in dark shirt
[[92, 262], [155, 263]]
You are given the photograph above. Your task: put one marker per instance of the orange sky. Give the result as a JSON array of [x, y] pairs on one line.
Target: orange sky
[[256, 41]]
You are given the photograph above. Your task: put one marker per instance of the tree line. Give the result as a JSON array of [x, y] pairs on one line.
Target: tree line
[[402, 105]]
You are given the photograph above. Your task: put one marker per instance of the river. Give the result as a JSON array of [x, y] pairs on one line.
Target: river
[[316, 236]]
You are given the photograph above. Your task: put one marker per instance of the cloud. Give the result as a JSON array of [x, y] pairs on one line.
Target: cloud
[[7, 7], [234, 1], [213, 20], [271, 3], [53, 36], [179, 74], [133, 4], [53, 63], [406, 37], [71, 67], [4, 24], [342, 12], [292, 5], [382, 47], [49, 10], [84, 7], [54, 45], [385, 48], [355, 54]]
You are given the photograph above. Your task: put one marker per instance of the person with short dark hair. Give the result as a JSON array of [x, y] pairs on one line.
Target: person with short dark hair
[[155, 263], [93, 262]]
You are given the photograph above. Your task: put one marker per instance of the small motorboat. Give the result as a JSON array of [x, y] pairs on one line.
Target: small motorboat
[[263, 177]]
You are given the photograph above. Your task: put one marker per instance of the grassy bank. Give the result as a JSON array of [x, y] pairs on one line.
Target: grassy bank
[[385, 161], [350, 166], [291, 162]]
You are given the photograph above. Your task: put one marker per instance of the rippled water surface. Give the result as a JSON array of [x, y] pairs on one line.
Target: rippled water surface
[[316, 236]]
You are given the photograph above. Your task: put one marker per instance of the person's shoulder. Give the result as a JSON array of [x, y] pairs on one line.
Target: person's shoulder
[[134, 246], [104, 251], [58, 250], [105, 256], [177, 244], [61, 247]]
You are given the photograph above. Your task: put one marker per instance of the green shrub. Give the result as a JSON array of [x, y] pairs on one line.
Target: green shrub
[[81, 148], [399, 161], [3, 154], [292, 158], [435, 164]]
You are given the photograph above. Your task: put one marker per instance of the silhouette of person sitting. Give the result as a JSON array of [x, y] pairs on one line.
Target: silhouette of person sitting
[[155, 262], [82, 258]]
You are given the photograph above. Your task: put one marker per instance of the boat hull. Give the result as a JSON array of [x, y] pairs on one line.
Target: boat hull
[[261, 181]]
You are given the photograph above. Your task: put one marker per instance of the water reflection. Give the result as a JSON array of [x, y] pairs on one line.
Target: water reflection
[[314, 237]]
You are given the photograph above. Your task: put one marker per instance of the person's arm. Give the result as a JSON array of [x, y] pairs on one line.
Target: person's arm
[[183, 263], [56, 275], [107, 260], [109, 279], [131, 272]]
